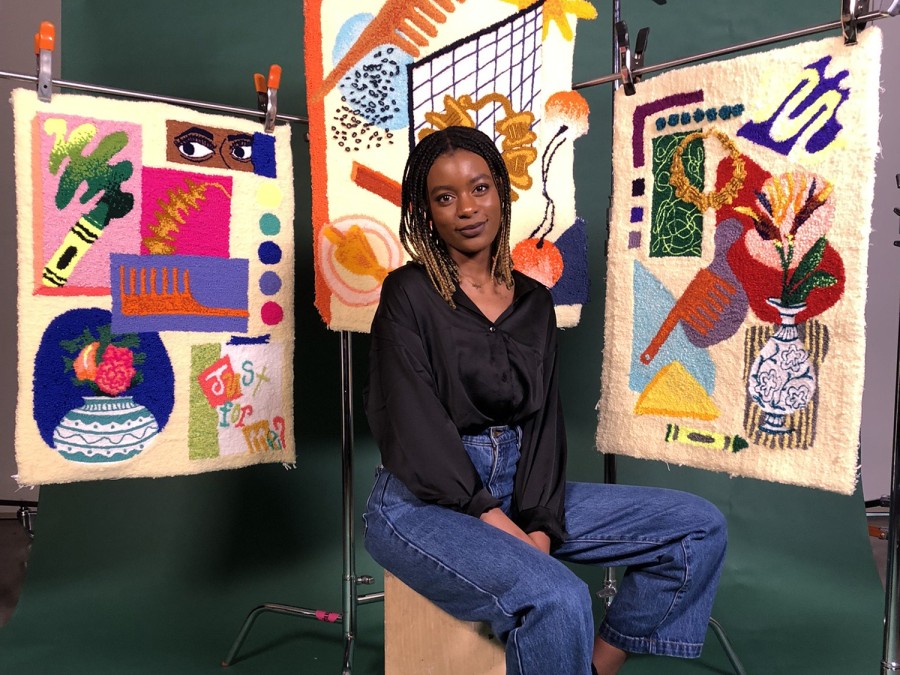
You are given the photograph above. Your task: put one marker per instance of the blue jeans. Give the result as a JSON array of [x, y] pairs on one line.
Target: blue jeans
[[671, 543]]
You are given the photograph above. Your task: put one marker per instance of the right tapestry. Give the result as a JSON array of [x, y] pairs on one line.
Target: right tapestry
[[742, 199]]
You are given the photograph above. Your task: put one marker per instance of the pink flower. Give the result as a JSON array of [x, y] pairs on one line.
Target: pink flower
[[115, 371], [792, 210]]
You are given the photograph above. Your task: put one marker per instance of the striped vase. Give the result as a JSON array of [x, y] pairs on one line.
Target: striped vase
[[105, 429]]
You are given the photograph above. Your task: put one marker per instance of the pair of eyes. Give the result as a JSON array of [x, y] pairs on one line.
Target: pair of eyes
[[445, 198], [197, 148]]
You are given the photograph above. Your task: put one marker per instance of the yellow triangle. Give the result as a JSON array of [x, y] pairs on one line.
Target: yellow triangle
[[674, 392]]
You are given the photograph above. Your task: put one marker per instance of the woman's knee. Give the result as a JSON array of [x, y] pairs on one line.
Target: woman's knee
[[561, 592], [711, 521], [710, 534]]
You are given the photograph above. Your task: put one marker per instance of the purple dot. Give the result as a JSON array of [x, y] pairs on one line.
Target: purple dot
[[269, 253], [269, 283], [637, 187]]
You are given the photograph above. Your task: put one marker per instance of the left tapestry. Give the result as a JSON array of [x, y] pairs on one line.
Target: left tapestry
[[155, 290]]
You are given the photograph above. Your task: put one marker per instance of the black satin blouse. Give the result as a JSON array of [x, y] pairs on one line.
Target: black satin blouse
[[436, 373]]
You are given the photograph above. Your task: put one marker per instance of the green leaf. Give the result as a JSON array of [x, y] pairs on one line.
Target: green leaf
[[84, 339], [70, 346], [817, 279], [130, 340], [809, 262]]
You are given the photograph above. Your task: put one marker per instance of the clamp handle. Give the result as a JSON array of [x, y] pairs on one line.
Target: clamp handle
[[850, 23], [272, 85], [625, 64], [44, 43]]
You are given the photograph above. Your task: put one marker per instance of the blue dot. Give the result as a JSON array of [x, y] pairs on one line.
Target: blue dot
[[269, 224], [269, 283], [269, 253]]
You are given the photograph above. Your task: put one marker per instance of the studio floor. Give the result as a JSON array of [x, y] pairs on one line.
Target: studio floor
[[320, 644]]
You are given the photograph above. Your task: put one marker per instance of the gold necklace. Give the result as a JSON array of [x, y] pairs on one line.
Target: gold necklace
[[476, 285]]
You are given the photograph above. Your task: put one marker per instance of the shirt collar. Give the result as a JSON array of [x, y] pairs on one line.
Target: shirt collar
[[523, 286]]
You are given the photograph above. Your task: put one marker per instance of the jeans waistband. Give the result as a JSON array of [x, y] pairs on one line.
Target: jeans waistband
[[491, 435]]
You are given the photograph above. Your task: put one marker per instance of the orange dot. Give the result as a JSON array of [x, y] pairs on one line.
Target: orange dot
[[541, 261]]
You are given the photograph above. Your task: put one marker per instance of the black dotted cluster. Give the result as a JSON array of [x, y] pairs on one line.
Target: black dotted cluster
[[370, 101], [355, 133]]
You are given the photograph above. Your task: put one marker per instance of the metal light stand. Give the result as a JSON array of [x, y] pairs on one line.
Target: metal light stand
[[26, 511], [608, 591], [889, 663], [351, 599]]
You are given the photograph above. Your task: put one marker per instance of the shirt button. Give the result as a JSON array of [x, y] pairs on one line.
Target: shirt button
[[492, 329]]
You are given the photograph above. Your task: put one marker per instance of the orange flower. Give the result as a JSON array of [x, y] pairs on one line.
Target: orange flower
[[85, 363]]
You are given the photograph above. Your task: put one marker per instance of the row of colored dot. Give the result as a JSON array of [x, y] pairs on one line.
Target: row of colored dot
[[710, 115], [638, 187], [271, 312]]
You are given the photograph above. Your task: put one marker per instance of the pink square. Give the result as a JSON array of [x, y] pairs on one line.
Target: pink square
[[185, 213]]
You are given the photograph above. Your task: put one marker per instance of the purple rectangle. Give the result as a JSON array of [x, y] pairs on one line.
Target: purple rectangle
[[153, 293]]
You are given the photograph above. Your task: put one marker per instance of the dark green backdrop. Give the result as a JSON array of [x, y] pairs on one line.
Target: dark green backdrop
[[156, 576]]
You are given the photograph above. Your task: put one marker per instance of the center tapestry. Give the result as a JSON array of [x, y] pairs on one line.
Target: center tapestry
[[155, 306], [735, 332], [383, 74]]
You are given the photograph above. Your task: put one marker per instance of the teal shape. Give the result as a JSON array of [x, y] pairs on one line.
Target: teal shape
[[269, 224], [652, 302]]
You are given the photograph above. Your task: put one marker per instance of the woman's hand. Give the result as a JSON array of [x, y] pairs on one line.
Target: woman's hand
[[540, 540], [501, 521]]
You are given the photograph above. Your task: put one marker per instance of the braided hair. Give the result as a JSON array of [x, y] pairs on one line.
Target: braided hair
[[417, 234]]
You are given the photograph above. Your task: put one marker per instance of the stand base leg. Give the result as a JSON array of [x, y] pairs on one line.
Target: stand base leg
[[316, 614], [348, 654], [726, 645]]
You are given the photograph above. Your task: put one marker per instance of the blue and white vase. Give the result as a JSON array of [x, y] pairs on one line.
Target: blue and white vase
[[105, 429], [782, 378]]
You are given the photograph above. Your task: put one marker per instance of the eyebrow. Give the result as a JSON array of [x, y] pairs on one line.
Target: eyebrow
[[475, 179], [195, 130]]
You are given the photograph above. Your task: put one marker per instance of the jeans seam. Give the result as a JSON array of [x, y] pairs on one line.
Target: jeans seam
[[669, 647], [442, 564], [495, 461], [682, 588], [684, 581]]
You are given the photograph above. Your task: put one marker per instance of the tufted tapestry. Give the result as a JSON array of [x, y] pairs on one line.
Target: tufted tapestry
[[155, 290], [735, 332], [383, 74]]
